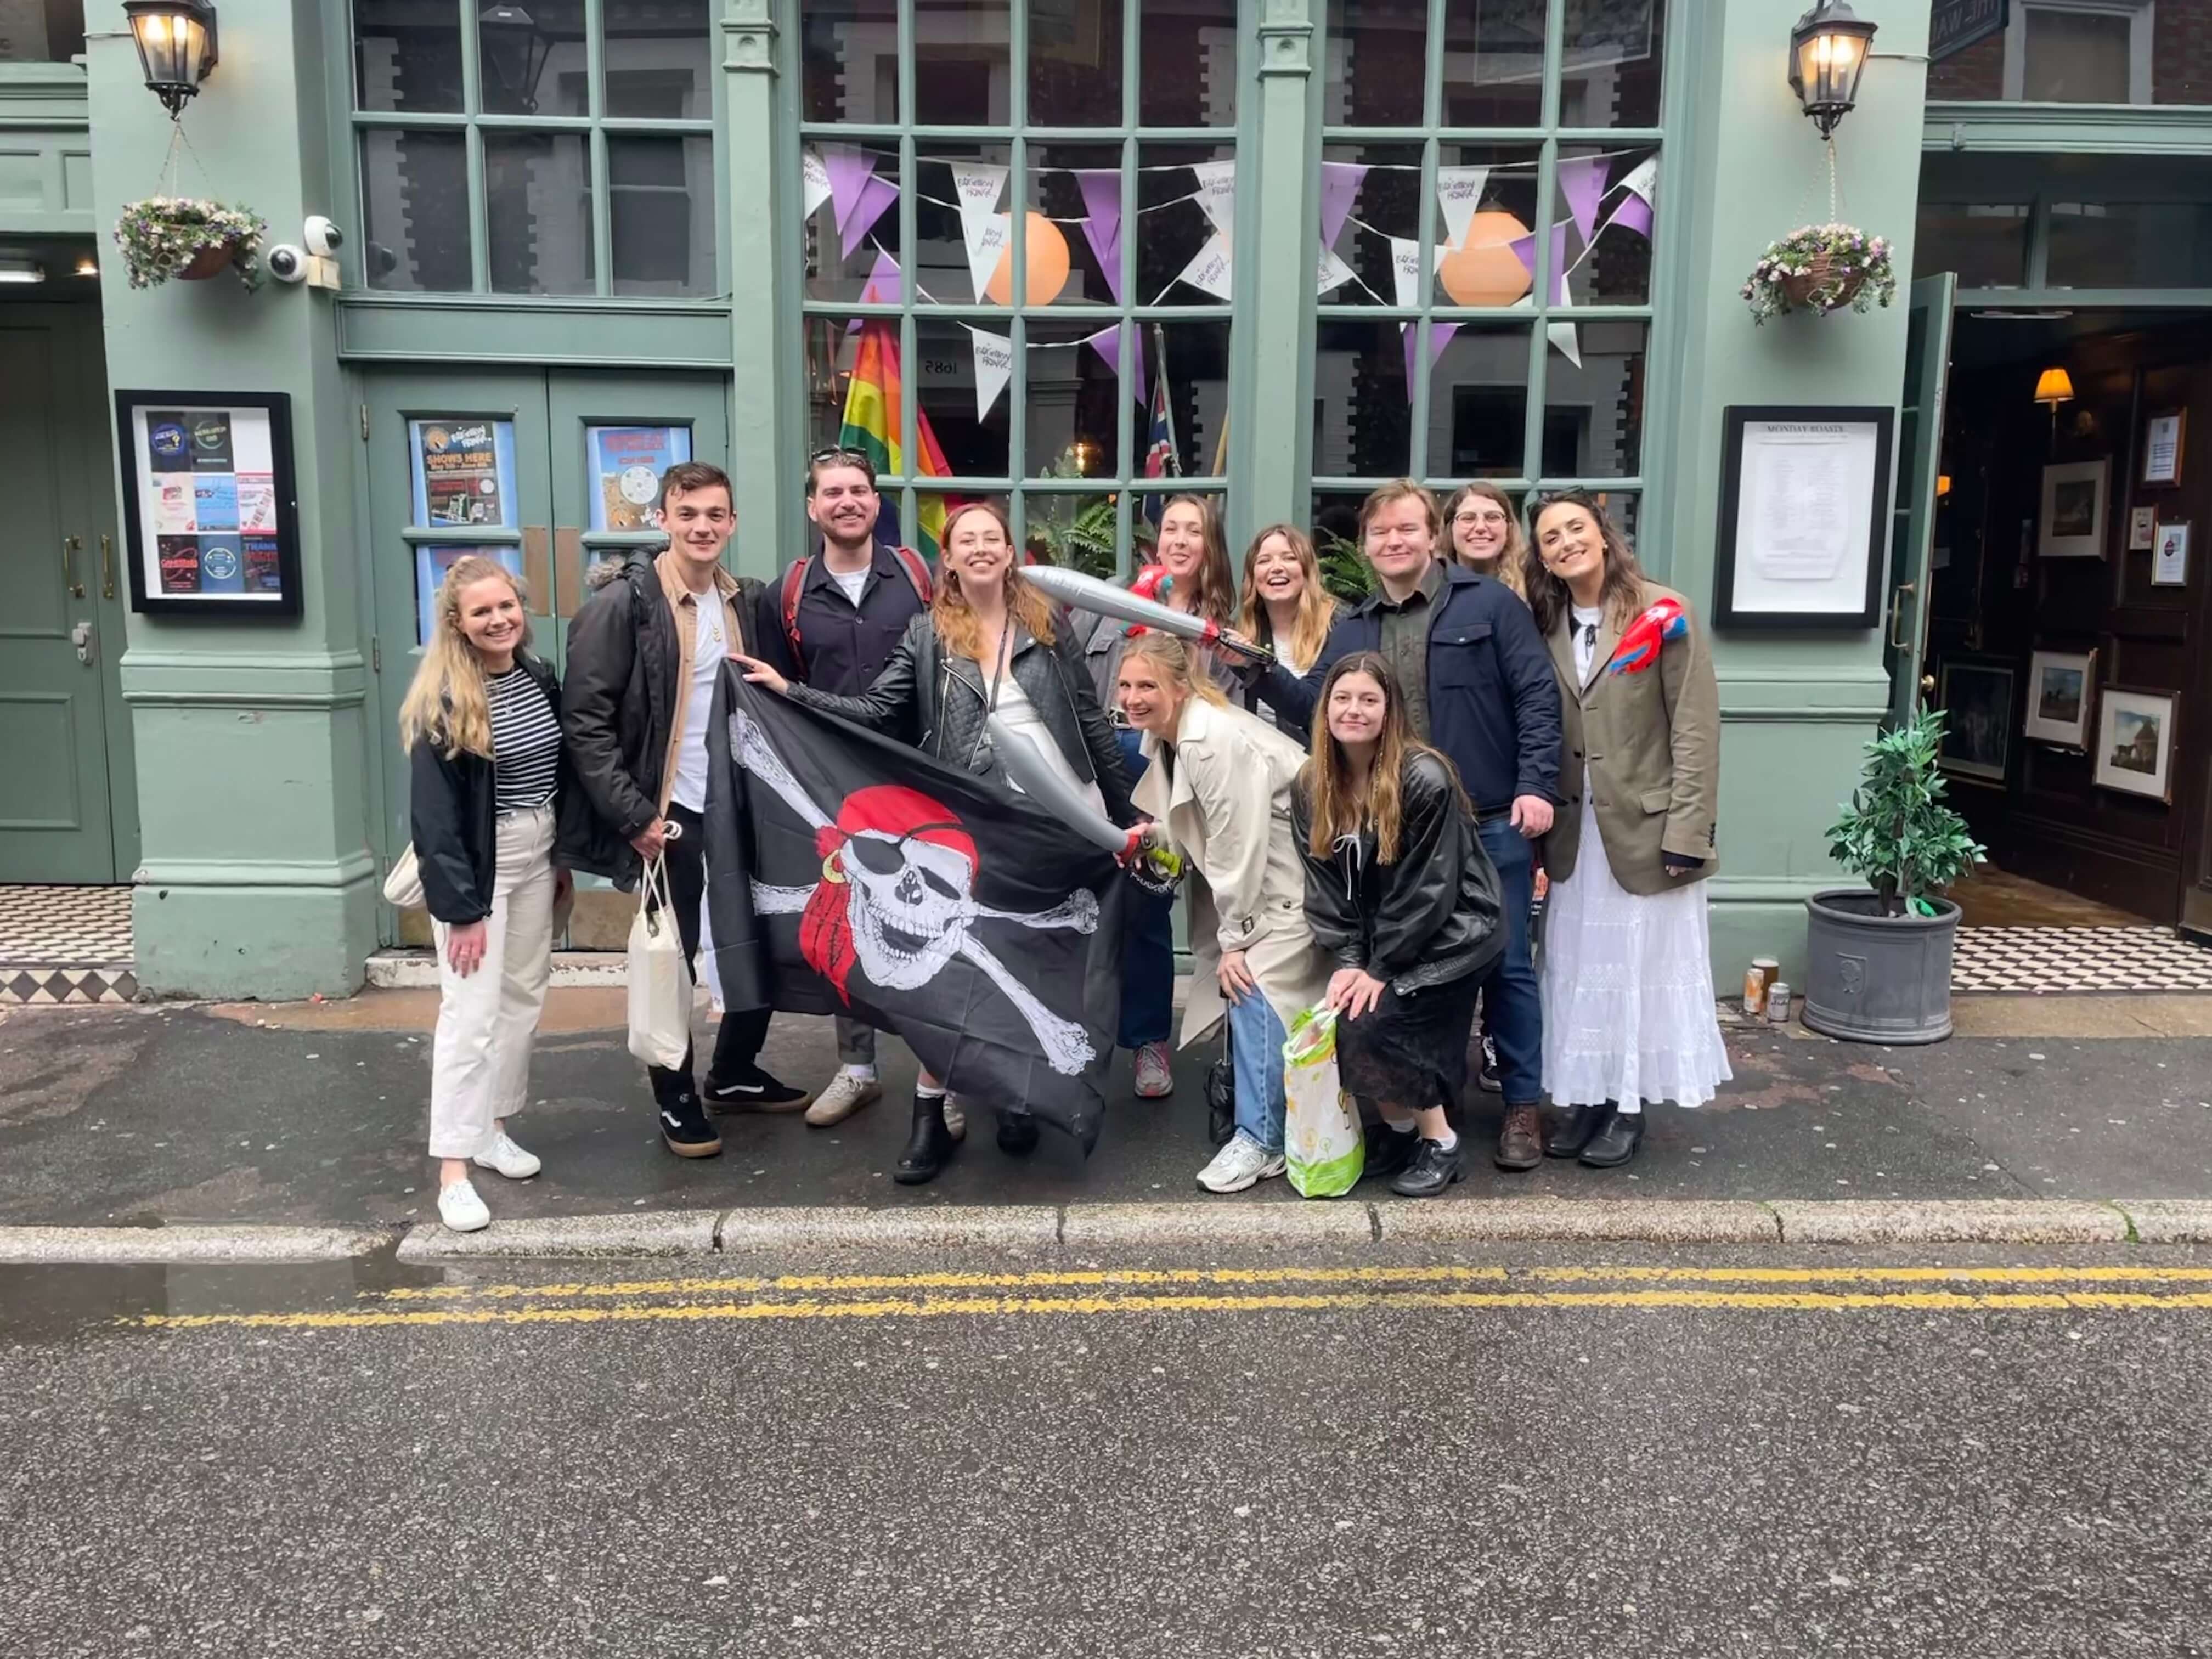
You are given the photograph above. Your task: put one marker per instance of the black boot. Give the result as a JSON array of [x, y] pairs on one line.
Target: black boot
[[929, 1148], [1571, 1131], [1616, 1143]]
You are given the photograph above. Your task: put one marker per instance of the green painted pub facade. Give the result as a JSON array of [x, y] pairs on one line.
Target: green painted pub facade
[[584, 237]]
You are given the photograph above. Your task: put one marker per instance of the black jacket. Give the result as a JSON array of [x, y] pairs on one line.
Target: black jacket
[[618, 709], [937, 702], [1430, 916], [452, 821], [842, 647], [1493, 699]]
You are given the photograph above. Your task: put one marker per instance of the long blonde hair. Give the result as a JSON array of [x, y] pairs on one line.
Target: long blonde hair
[[954, 618], [445, 702], [1216, 599], [1316, 611], [1340, 808], [1509, 565], [1170, 658]]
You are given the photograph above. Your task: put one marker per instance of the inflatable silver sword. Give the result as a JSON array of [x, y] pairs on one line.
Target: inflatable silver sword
[[1081, 592]]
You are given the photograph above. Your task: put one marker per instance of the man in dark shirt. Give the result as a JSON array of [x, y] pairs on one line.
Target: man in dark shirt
[[1478, 684], [832, 620]]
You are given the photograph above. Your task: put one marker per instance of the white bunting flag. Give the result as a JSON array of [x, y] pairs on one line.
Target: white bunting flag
[[1406, 267], [1216, 193], [1459, 192], [816, 171], [1562, 336], [1332, 274], [994, 366], [977, 186], [987, 237], [1209, 270], [1644, 179]]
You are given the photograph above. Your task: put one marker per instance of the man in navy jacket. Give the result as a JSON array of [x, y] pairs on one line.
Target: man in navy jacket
[[1479, 685]]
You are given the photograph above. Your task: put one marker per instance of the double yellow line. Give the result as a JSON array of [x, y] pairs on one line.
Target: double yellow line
[[1243, 1290]]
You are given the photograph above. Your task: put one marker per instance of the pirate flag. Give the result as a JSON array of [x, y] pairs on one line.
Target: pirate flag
[[849, 873]]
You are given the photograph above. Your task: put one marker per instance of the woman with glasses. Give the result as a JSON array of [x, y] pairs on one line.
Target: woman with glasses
[[1627, 971], [989, 643], [1285, 606], [1485, 535]]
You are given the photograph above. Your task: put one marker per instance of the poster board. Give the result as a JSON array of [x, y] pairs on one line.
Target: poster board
[[210, 502], [1803, 517]]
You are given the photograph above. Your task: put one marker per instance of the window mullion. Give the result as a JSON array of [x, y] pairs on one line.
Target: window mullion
[[1017, 268], [472, 106], [1547, 166]]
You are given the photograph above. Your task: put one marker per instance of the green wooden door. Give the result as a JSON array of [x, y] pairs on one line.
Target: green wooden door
[[1913, 521], [61, 622]]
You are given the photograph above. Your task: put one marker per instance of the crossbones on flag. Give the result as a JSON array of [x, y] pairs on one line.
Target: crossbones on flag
[[851, 874]]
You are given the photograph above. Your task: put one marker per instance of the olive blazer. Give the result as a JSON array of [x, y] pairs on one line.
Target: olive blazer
[[1647, 748]]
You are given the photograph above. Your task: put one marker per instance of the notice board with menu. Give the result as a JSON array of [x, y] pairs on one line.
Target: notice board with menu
[[211, 509]]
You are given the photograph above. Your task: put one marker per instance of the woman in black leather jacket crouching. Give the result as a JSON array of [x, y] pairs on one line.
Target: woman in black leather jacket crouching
[[1400, 894], [988, 643]]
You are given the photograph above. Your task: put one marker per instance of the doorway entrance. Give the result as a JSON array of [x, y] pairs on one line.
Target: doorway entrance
[[68, 807], [544, 471]]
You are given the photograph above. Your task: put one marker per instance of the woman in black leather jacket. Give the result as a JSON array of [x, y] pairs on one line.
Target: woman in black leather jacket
[[988, 643], [1400, 893]]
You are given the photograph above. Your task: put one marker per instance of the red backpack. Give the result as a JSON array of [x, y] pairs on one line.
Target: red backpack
[[794, 579]]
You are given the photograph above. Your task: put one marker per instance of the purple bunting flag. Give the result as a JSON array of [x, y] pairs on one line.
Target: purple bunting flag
[[1440, 336], [1102, 227], [1582, 183], [1339, 187]]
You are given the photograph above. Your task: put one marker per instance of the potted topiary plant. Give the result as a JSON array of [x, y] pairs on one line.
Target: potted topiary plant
[[1880, 967], [1822, 268], [183, 237]]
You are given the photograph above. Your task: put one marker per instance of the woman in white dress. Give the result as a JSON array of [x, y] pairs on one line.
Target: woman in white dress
[[1627, 973]]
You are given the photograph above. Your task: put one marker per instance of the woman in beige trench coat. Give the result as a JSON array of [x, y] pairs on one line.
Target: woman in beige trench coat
[[1218, 780]]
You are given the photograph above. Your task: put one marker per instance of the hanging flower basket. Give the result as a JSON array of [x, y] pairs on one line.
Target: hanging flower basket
[[179, 236], [1822, 268]]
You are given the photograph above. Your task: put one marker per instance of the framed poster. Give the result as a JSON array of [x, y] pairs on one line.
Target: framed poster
[[2061, 694], [2134, 742], [2169, 557], [2142, 529], [464, 471], [1804, 514], [1977, 701], [625, 463], [2161, 452], [210, 503], [2072, 523]]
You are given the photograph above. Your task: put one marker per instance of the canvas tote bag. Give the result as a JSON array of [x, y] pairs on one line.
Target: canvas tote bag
[[659, 977]]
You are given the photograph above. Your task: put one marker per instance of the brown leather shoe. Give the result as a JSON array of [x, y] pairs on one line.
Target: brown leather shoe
[[1521, 1139]]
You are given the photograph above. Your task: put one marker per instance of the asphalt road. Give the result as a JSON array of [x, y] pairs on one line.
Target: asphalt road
[[1521, 1451]]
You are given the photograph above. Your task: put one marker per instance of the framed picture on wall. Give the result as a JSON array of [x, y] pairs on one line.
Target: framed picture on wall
[[1977, 703], [2062, 695], [2142, 529], [2072, 523], [2169, 557], [1804, 517], [2134, 742], [210, 502], [2161, 451]]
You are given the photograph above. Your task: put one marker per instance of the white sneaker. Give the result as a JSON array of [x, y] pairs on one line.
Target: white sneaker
[[1155, 1074], [845, 1095], [1242, 1162], [460, 1209], [955, 1117], [509, 1159]]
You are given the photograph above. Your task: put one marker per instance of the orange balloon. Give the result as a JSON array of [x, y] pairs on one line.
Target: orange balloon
[[1047, 252], [1484, 270]]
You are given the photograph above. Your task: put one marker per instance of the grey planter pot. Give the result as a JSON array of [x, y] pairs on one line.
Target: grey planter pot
[[1873, 978]]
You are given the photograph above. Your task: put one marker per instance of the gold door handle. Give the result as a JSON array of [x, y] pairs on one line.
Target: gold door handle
[[108, 566], [1896, 614], [70, 546], [1927, 685]]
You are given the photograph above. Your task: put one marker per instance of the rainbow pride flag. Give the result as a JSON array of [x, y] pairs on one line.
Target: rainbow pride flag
[[872, 426]]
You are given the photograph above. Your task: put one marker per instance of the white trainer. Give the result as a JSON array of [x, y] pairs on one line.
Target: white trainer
[[1242, 1162], [955, 1117], [509, 1159], [460, 1209], [845, 1095]]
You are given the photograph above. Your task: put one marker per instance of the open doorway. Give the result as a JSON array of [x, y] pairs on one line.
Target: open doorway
[[2068, 612]]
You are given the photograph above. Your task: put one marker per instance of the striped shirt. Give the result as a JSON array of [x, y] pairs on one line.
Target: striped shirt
[[525, 742]]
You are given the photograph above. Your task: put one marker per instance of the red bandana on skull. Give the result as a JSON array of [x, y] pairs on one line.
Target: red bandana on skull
[[905, 889]]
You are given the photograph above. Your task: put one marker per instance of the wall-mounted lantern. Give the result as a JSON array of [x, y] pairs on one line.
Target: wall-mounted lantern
[[176, 46], [1827, 53], [516, 52]]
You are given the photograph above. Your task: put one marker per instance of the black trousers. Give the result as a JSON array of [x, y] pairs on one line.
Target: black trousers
[[737, 1044]]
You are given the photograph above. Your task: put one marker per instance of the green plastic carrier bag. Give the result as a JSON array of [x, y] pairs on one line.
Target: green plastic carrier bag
[[1322, 1138]]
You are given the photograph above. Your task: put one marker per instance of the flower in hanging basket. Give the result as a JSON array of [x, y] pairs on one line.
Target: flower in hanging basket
[[167, 236], [1822, 268]]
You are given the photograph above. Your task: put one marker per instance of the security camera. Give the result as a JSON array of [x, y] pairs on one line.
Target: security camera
[[322, 237], [287, 264]]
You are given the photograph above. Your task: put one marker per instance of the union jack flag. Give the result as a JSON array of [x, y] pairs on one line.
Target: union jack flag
[[1160, 457]]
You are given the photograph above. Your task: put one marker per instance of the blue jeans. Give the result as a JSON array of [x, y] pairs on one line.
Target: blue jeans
[[1256, 1039], [1512, 1005], [1147, 943]]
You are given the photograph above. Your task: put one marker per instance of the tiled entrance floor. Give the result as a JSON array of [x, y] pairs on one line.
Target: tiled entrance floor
[[65, 945], [2077, 959]]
